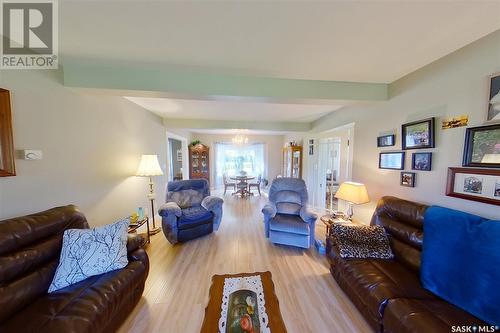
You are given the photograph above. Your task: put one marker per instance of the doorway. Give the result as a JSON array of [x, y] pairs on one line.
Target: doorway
[[175, 162], [329, 165], [177, 157], [328, 173]]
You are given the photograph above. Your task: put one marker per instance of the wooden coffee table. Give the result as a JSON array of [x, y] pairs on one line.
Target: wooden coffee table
[[216, 298]]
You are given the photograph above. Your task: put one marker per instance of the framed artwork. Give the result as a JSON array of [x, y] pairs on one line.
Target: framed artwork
[[481, 185], [418, 134], [393, 161], [482, 147], [408, 179], [494, 98], [421, 161], [454, 122], [7, 166], [386, 140]]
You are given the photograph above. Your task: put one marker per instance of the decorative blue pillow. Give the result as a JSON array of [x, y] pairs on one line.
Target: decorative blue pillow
[[89, 252]]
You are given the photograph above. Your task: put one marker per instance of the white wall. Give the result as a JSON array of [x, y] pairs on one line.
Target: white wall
[[454, 85], [91, 148], [274, 144]]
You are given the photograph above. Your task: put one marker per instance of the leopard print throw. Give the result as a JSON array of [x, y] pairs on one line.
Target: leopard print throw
[[361, 241]]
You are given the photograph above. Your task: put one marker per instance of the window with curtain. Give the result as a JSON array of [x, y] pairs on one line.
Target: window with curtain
[[233, 158]]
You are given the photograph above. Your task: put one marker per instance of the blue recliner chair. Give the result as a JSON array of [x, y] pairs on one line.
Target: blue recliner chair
[[189, 211], [287, 219]]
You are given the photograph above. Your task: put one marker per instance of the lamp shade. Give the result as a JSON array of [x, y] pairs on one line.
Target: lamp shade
[[149, 166], [352, 192]]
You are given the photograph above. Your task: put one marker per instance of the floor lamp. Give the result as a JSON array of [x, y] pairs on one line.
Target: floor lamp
[[149, 167]]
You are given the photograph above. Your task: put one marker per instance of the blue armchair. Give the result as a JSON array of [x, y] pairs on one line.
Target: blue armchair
[[287, 219], [189, 211]]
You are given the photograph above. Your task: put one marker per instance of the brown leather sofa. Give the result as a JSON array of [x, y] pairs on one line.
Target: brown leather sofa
[[29, 254], [388, 293]]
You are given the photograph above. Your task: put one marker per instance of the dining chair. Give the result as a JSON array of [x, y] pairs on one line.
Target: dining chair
[[228, 183], [255, 184]]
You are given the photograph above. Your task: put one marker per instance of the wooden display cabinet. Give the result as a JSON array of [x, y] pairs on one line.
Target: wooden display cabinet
[[199, 166]]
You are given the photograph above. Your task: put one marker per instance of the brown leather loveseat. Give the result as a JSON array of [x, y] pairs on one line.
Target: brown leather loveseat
[[388, 292], [29, 254]]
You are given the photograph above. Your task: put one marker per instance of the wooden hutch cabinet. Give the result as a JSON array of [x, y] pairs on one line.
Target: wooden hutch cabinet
[[199, 166], [292, 162]]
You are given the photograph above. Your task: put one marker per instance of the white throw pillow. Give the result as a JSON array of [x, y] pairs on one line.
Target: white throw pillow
[[89, 252]]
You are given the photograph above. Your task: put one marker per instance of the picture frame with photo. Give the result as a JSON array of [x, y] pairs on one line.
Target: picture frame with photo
[[421, 161], [481, 185], [455, 122], [482, 146], [311, 147], [386, 140], [391, 160], [408, 179], [418, 134], [494, 98]]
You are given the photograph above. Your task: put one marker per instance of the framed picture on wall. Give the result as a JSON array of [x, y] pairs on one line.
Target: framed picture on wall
[[311, 147], [418, 134], [386, 140], [494, 98], [408, 179], [393, 161], [482, 147], [481, 185], [421, 161]]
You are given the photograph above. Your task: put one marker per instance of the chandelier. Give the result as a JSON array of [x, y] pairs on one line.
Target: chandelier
[[240, 139]]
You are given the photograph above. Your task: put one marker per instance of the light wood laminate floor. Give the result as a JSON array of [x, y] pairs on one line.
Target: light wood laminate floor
[[176, 291]]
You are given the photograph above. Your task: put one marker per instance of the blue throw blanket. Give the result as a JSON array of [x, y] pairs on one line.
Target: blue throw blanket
[[461, 261]]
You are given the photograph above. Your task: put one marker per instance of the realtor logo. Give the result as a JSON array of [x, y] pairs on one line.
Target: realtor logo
[[29, 34]]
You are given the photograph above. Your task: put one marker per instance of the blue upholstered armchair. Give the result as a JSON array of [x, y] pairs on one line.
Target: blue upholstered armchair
[[287, 218], [189, 211]]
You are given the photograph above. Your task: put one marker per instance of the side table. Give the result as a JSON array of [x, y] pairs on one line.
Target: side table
[[328, 221], [132, 228]]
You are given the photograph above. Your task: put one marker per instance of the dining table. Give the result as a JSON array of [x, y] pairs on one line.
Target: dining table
[[242, 185]]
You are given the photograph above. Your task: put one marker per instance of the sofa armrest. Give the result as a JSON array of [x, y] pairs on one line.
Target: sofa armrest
[[212, 203], [307, 215], [134, 242], [332, 249], [269, 210], [170, 208]]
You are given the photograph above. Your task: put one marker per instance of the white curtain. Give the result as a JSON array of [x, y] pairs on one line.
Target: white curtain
[[233, 158]]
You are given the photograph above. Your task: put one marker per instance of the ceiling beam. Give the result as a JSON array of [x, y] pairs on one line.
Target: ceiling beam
[[228, 124], [195, 84]]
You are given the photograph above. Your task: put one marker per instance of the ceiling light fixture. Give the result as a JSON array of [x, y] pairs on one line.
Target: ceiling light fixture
[[239, 139]]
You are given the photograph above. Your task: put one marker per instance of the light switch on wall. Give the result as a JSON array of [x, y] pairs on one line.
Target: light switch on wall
[[30, 154]]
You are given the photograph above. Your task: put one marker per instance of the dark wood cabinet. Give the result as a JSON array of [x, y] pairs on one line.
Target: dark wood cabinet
[[199, 162]]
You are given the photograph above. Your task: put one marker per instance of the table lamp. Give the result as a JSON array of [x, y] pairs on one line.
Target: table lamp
[[354, 194], [150, 167]]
